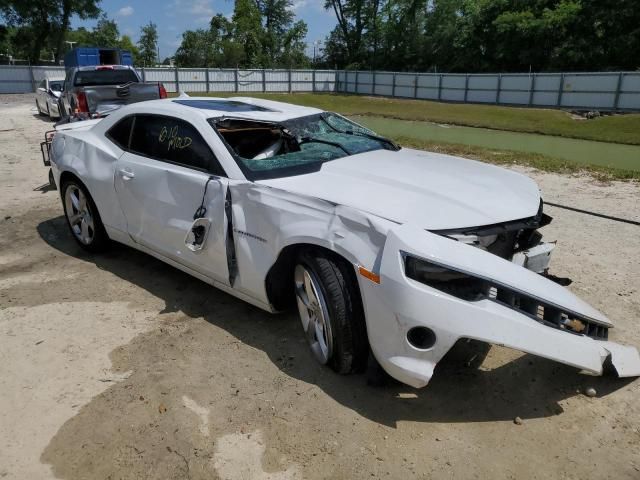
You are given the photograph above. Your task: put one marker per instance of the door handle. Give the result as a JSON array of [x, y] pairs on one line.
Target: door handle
[[126, 174]]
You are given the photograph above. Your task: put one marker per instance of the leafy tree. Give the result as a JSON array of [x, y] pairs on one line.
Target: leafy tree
[[355, 17], [81, 37], [262, 33], [126, 43], [36, 17], [105, 33], [247, 29], [196, 49], [148, 44], [282, 38], [81, 8]]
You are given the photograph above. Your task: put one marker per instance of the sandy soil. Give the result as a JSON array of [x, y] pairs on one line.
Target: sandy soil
[[120, 367]]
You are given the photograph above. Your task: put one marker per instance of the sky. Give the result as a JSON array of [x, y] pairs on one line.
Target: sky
[[175, 16]]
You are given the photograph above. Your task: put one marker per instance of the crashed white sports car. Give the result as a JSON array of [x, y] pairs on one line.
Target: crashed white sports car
[[387, 250]]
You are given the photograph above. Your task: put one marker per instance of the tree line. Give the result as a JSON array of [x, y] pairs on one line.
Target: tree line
[[34, 30], [400, 35], [485, 35], [260, 34]]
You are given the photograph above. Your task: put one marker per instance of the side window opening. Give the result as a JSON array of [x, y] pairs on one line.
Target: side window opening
[[256, 140], [120, 133], [172, 140]]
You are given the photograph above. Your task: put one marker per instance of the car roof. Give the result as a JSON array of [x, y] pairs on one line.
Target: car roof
[[236, 107]]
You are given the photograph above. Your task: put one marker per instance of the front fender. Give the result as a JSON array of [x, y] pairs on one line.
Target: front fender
[[398, 304]]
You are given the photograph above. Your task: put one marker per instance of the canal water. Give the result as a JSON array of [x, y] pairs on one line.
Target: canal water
[[579, 151]]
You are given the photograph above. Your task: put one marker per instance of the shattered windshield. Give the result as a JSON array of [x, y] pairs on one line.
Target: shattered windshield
[[300, 145]]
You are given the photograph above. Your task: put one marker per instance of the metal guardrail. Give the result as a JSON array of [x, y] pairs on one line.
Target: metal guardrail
[[616, 91]]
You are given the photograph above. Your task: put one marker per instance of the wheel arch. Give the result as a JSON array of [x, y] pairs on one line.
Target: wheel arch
[[68, 175], [279, 278]]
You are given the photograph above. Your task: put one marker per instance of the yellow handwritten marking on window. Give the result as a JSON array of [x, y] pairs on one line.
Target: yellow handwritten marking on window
[[173, 140]]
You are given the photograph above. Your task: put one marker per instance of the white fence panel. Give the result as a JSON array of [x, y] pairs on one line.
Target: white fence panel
[[546, 81], [50, 72], [629, 88], [222, 80], [325, 81], [483, 82], [590, 83], [15, 79], [514, 97], [249, 80], [453, 88], [587, 100], [482, 96], [599, 90], [516, 82]]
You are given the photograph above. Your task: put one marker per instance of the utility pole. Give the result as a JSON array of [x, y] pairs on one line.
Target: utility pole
[[316, 45]]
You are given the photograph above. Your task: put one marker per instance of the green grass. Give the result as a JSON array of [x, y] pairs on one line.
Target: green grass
[[511, 157], [616, 128]]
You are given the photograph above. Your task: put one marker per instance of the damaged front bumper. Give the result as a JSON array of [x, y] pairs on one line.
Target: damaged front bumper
[[412, 324]]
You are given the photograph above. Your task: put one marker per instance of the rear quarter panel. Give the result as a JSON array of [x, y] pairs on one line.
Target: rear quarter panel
[[92, 158]]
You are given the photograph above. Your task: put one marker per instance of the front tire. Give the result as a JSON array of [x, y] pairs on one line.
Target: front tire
[[331, 311], [83, 218]]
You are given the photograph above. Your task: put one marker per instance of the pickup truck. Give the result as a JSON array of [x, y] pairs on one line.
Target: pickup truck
[[94, 91]]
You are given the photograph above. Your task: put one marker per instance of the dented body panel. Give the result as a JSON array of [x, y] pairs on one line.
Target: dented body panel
[[375, 210], [399, 303]]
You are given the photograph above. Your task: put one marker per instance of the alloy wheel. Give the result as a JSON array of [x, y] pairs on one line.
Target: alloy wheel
[[79, 214], [313, 314]]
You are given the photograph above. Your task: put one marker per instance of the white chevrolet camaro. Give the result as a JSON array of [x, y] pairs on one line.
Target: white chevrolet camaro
[[383, 249]]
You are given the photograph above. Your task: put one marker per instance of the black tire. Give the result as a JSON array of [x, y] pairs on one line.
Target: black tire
[[338, 285], [99, 241]]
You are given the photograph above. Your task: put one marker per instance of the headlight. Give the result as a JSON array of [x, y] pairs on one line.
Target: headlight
[[473, 288], [447, 280]]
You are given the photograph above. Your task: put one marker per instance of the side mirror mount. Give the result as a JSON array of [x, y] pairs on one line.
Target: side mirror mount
[[197, 235]]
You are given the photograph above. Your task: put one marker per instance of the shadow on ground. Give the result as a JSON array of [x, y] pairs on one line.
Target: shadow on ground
[[44, 118], [528, 387]]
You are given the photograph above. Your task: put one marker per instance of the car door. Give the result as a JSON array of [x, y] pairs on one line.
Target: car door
[[166, 179]]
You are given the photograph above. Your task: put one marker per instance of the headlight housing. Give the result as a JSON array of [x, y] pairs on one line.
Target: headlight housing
[[452, 282], [473, 288]]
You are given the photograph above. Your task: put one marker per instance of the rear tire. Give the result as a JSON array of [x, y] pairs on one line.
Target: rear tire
[[331, 311], [83, 218]]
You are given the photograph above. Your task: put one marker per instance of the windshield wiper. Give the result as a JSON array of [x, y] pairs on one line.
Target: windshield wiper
[[304, 140], [371, 136]]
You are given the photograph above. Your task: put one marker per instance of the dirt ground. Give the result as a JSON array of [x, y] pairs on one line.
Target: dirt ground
[[120, 367]]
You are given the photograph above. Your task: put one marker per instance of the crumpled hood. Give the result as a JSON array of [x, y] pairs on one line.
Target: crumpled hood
[[429, 190]]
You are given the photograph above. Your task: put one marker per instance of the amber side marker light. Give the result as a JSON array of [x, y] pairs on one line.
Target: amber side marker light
[[374, 277]]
